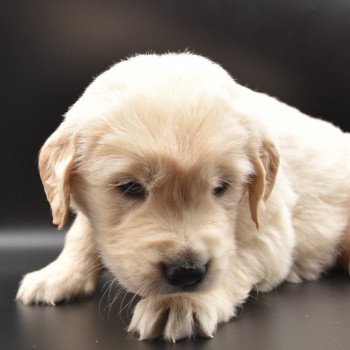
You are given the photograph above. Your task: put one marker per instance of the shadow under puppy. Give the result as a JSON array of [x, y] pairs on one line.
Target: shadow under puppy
[[192, 190]]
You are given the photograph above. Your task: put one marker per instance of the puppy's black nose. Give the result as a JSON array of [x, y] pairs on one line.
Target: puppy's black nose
[[185, 274]]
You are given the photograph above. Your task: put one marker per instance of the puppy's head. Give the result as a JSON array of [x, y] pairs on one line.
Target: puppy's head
[[156, 155]]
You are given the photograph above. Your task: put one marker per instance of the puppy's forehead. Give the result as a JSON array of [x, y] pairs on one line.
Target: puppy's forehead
[[159, 121], [155, 143]]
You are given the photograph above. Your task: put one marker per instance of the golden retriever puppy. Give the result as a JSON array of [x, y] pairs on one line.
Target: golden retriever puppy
[[192, 190]]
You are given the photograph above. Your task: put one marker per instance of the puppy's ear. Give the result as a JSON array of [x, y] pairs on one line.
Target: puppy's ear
[[266, 166], [56, 163]]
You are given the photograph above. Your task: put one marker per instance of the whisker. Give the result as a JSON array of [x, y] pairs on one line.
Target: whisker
[[92, 270], [119, 292], [109, 292], [104, 293]]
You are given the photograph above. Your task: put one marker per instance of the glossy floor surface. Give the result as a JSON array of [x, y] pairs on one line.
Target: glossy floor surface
[[314, 315]]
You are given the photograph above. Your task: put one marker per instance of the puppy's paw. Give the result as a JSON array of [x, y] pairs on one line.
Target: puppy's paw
[[179, 317], [54, 283], [294, 277], [309, 272]]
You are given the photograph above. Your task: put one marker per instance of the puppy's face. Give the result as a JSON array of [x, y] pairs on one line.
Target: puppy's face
[[161, 180], [162, 191]]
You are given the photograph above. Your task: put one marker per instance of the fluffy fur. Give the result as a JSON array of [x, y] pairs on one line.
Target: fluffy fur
[[180, 125]]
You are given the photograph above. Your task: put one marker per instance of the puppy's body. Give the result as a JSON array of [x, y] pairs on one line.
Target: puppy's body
[[315, 159], [233, 187]]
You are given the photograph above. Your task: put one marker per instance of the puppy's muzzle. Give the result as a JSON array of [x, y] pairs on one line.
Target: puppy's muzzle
[[185, 274]]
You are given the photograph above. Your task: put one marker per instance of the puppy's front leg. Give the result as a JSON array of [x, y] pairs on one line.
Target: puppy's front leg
[[182, 316], [74, 272]]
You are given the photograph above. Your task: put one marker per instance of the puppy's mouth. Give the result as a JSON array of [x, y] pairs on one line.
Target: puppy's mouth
[[184, 275]]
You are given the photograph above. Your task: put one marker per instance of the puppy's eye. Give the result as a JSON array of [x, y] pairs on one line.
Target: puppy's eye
[[132, 188], [219, 190]]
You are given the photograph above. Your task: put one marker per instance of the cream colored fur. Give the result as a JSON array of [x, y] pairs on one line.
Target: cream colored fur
[[180, 125]]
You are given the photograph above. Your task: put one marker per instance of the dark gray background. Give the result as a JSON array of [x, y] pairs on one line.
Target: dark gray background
[[297, 50]]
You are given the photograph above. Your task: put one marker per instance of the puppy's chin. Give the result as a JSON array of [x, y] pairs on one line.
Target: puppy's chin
[[155, 284], [203, 286], [164, 288]]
